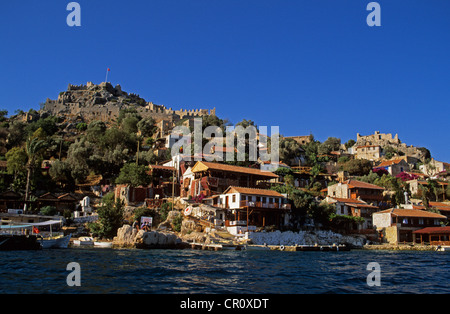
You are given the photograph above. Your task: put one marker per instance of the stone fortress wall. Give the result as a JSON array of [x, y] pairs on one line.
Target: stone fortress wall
[[386, 139], [104, 102]]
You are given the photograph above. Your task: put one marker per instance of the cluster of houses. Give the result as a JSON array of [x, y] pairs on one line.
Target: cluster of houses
[[241, 199]]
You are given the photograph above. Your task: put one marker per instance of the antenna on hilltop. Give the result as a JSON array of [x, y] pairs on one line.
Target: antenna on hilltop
[[106, 79]]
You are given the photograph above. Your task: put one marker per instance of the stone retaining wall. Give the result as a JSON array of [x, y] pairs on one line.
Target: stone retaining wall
[[288, 238]]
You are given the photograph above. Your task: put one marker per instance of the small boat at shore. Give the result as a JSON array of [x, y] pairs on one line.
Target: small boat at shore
[[84, 241], [102, 244], [58, 242], [443, 248]]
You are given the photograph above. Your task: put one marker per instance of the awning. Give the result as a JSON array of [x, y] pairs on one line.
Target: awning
[[44, 223]]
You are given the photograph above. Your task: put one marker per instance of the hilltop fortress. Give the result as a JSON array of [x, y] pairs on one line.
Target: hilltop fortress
[[383, 140], [103, 102]]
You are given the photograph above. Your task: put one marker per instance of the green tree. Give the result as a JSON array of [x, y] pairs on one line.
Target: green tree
[[16, 133], [147, 212], [60, 171], [16, 159], [289, 149], [358, 167], [311, 150], [246, 123], [134, 175], [331, 144], [95, 131], [81, 126], [3, 114], [48, 211], [110, 218], [435, 188], [33, 149], [78, 156], [147, 126], [350, 143], [130, 124]]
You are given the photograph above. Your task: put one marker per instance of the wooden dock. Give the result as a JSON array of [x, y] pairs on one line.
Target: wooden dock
[[310, 248]]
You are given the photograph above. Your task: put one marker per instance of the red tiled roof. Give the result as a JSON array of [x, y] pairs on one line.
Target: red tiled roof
[[401, 212], [353, 202], [231, 168], [388, 163], [363, 185], [348, 200], [253, 191], [434, 230], [161, 167], [440, 206]]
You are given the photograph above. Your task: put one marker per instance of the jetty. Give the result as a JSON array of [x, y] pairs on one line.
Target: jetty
[[310, 248]]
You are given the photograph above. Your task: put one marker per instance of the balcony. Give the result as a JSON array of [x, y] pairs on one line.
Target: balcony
[[264, 205]]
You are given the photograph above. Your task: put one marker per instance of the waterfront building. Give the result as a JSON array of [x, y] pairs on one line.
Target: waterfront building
[[398, 224], [214, 178], [253, 207], [354, 208], [433, 235]]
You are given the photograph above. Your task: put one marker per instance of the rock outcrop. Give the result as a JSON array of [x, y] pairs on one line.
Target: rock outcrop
[[128, 237]]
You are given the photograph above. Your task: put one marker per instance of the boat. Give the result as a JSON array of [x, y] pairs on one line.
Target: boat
[[57, 242], [45, 239], [443, 248], [84, 241], [102, 244], [51, 240], [15, 242]]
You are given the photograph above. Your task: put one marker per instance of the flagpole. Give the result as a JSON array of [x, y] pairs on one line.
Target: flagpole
[[106, 79]]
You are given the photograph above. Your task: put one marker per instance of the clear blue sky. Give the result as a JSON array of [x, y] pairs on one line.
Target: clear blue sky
[[307, 66]]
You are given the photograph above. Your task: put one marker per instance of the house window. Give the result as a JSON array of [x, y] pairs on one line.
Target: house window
[[264, 200], [436, 222], [405, 221], [233, 198], [420, 221]]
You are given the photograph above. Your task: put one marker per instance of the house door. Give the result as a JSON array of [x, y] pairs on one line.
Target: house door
[[226, 201]]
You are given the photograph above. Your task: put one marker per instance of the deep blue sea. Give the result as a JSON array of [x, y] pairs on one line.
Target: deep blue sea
[[134, 271]]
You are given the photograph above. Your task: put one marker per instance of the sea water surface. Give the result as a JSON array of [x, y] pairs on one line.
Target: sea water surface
[[125, 271]]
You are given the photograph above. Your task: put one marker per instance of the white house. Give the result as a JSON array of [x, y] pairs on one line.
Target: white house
[[249, 208]]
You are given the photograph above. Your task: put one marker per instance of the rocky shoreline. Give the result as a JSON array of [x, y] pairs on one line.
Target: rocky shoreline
[[127, 237]]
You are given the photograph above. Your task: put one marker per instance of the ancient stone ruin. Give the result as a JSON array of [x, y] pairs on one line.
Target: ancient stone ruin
[[103, 102]]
